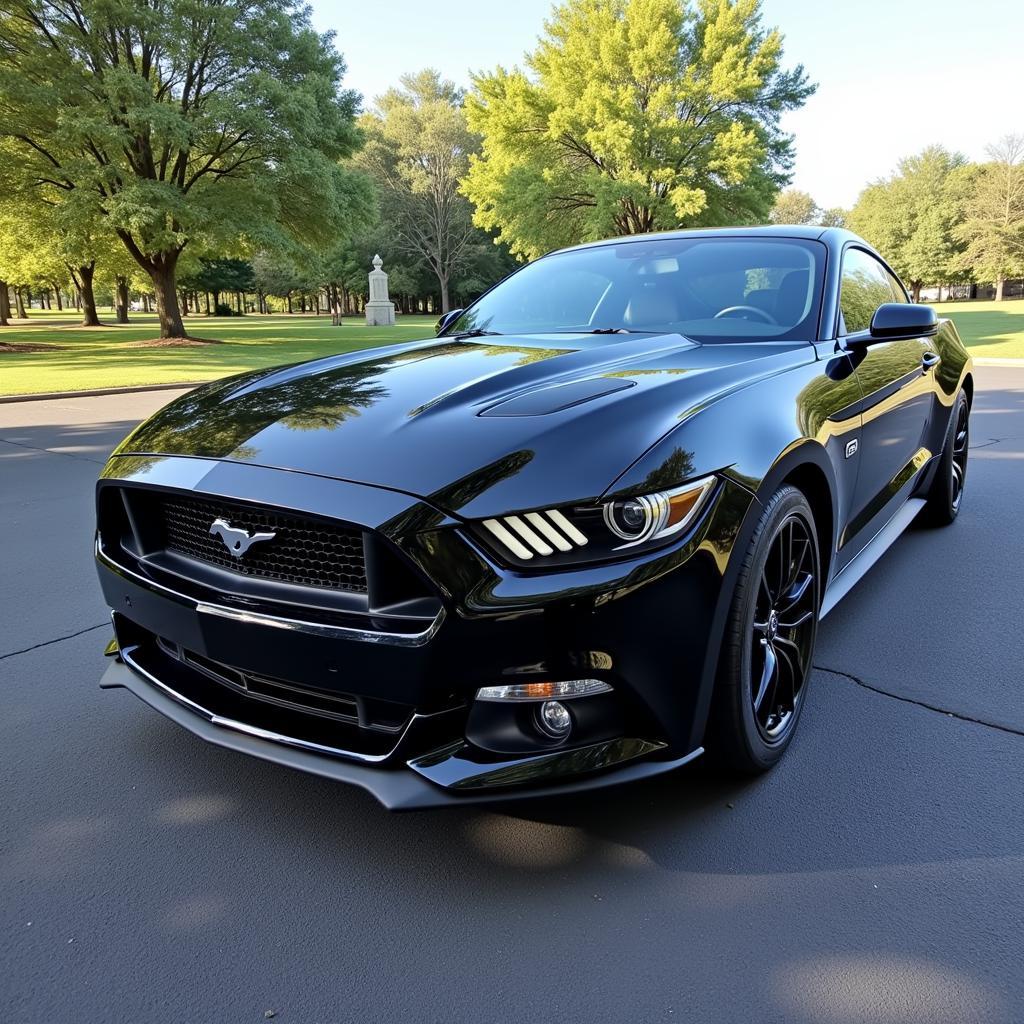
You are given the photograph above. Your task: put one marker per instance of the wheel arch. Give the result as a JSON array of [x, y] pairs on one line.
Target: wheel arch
[[807, 467], [810, 480]]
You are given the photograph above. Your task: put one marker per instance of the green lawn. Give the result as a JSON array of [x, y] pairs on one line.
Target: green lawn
[[991, 330], [102, 357]]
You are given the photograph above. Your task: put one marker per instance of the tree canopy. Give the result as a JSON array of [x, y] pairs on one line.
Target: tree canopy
[[794, 207], [417, 149], [911, 217], [993, 228], [180, 120], [634, 115]]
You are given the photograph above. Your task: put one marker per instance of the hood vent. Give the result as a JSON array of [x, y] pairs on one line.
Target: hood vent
[[558, 397]]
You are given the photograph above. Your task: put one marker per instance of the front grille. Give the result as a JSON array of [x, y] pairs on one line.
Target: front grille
[[376, 715], [305, 551]]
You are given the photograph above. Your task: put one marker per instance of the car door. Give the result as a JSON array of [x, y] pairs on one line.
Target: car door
[[895, 382]]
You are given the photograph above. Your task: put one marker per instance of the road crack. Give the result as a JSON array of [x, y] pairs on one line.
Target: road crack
[[920, 703], [55, 640], [50, 451]]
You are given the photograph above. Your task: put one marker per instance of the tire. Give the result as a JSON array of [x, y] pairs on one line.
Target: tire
[[945, 495], [766, 660]]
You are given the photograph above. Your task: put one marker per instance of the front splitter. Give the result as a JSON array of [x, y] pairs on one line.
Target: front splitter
[[397, 789]]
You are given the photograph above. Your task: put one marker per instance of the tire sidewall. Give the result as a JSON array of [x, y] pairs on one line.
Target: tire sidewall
[[947, 468], [785, 503]]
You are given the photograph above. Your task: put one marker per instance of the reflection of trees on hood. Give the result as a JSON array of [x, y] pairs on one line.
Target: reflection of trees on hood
[[322, 417], [463, 491], [210, 422], [672, 472]]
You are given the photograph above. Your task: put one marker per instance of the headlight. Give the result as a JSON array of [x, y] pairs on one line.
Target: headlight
[[595, 532]]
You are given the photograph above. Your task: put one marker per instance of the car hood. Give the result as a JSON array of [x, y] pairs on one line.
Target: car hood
[[478, 426]]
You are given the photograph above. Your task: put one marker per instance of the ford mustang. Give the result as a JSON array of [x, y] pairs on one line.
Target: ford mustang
[[586, 532]]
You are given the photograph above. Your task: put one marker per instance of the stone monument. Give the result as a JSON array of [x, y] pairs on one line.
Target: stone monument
[[380, 311]]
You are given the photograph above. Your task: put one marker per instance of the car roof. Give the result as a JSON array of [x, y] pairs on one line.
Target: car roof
[[831, 236]]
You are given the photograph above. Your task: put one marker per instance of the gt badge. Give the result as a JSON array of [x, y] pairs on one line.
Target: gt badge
[[851, 447]]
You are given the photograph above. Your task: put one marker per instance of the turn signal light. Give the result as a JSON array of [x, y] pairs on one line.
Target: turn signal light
[[563, 690]]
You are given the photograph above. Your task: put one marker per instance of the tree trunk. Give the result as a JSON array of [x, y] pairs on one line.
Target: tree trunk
[[5, 304], [334, 298], [999, 290], [442, 280], [19, 303], [289, 298], [915, 290], [121, 299], [162, 274], [83, 277], [184, 303], [56, 295]]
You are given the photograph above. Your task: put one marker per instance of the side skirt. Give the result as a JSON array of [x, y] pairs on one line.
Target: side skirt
[[875, 548]]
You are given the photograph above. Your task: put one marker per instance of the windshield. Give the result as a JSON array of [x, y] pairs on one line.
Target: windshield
[[706, 288]]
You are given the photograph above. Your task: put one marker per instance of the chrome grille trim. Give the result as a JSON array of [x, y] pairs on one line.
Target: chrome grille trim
[[252, 730], [277, 622]]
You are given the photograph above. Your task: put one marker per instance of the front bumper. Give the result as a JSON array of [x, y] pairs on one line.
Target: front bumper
[[648, 626], [397, 788]]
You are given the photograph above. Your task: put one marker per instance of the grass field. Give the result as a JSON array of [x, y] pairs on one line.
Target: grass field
[[102, 357], [991, 330]]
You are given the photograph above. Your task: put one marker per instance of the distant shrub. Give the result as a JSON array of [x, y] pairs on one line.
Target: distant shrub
[[223, 309]]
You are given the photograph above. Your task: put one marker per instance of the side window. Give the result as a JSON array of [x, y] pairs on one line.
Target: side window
[[865, 287], [898, 294]]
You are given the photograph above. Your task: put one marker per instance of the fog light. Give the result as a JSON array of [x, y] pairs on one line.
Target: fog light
[[544, 691], [554, 719]]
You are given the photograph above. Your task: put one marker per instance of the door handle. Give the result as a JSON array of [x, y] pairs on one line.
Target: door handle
[[930, 359]]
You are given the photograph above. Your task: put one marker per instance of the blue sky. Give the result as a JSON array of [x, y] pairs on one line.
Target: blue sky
[[893, 75]]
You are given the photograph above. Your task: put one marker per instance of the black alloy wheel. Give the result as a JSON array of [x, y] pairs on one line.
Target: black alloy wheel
[[958, 464], [946, 491], [768, 646], [782, 635]]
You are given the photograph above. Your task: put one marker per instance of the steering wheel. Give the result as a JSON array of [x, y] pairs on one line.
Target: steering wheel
[[766, 317]]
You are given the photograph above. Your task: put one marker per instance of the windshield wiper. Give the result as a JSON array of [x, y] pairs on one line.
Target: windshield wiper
[[477, 332], [609, 330]]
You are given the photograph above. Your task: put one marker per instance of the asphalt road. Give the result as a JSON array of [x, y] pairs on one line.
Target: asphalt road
[[876, 876]]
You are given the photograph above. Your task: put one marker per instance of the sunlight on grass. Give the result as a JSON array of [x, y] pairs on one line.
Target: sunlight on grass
[[104, 357], [991, 330]]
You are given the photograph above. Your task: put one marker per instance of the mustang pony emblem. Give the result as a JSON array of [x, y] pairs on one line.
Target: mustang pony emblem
[[235, 540]]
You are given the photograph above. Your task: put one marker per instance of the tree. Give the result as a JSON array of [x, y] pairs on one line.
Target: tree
[[993, 227], [794, 207], [221, 275], [192, 122], [912, 216], [274, 274], [637, 115], [833, 217], [417, 150]]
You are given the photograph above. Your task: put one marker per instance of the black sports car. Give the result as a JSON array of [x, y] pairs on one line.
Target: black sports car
[[581, 535]]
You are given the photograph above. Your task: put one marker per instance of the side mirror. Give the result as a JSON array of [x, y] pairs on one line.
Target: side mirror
[[903, 320], [447, 320]]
